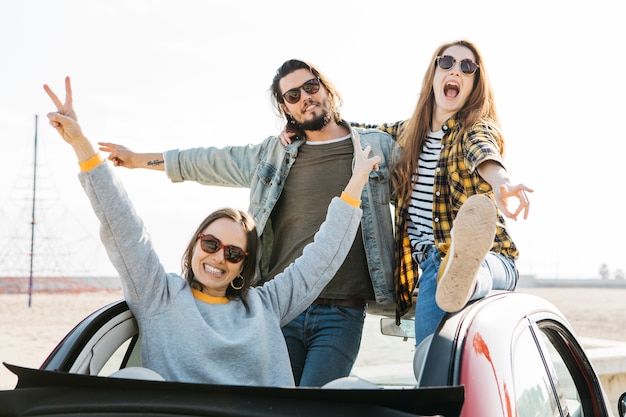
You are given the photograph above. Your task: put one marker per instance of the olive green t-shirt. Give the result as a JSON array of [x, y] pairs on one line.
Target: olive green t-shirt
[[321, 172]]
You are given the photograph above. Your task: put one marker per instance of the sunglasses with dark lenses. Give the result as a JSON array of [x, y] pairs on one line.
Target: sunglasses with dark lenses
[[446, 62], [211, 244], [310, 87]]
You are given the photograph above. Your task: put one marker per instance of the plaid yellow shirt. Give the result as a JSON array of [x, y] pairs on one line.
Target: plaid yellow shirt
[[406, 270], [456, 178]]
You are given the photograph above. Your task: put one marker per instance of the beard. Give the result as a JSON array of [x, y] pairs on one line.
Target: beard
[[317, 123]]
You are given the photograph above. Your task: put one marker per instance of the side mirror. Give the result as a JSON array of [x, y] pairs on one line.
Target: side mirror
[[406, 329], [621, 405]]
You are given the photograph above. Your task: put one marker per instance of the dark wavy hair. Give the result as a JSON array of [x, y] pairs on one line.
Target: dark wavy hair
[[249, 264], [277, 95]]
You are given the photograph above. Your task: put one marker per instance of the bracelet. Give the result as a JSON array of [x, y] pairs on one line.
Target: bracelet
[[91, 163], [354, 202]]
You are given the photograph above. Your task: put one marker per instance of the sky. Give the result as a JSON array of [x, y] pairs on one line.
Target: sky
[[156, 75]]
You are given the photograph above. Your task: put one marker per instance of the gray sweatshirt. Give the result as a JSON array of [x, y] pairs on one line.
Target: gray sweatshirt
[[187, 340]]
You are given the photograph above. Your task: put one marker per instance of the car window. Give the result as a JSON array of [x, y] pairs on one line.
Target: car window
[[533, 390], [128, 354], [565, 386]]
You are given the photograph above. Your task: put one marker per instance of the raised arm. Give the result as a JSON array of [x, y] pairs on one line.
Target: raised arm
[[122, 232]]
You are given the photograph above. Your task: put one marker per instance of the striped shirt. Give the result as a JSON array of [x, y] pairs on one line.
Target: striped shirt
[[420, 221]]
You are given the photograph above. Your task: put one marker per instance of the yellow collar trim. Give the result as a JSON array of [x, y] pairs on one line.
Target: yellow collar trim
[[209, 299]]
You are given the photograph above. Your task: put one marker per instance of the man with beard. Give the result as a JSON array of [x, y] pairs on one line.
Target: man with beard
[[290, 189]]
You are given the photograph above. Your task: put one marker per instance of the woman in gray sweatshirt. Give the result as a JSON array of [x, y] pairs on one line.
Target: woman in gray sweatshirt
[[211, 326]]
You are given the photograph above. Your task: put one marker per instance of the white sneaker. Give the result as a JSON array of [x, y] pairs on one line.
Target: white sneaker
[[472, 234]]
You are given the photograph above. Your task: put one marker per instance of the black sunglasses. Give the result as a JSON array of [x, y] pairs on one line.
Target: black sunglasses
[[310, 87], [446, 62], [211, 244]]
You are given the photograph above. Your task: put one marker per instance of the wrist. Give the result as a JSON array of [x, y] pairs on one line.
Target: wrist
[[83, 149], [355, 187], [354, 202], [91, 163]]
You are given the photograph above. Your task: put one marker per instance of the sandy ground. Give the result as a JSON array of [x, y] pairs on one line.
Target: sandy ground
[[28, 334]]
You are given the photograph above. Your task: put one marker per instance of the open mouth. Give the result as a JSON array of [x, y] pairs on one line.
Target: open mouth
[[451, 89]]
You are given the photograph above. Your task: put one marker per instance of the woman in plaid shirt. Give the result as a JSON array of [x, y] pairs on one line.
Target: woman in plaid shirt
[[452, 192]]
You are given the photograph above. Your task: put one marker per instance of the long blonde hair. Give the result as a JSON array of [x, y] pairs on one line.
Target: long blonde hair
[[479, 107]]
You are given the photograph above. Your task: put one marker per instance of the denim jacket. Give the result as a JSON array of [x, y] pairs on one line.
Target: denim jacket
[[264, 167]]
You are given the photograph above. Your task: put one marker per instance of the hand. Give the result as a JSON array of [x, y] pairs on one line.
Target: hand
[[496, 176], [285, 137], [363, 165], [120, 155], [506, 191], [64, 120]]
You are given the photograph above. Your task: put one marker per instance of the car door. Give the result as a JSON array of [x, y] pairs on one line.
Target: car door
[[552, 375], [102, 343]]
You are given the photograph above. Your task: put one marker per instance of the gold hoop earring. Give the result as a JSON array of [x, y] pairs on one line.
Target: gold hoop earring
[[240, 286]]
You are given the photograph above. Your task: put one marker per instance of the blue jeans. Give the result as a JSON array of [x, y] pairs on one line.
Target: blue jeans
[[497, 273], [323, 343]]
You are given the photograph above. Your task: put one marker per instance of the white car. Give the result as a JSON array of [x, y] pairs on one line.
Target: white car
[[510, 354]]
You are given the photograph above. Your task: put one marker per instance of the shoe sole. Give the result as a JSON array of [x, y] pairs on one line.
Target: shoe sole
[[472, 233]]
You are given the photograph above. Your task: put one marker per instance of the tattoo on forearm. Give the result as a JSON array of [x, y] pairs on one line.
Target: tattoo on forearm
[[156, 162]]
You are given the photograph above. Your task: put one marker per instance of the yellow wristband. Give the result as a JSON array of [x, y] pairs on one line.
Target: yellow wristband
[[354, 202], [91, 163]]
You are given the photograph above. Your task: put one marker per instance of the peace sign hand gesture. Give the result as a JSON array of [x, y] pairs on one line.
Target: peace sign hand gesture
[[363, 165], [64, 120]]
